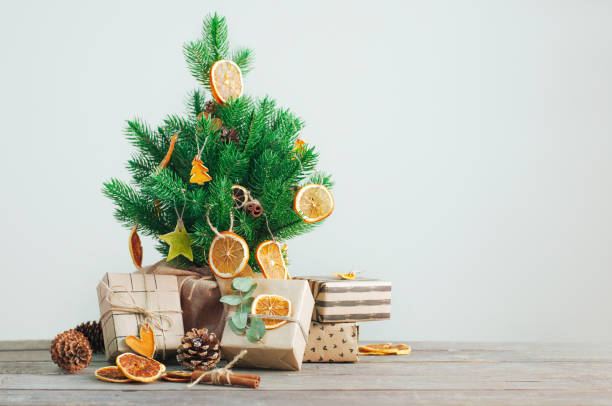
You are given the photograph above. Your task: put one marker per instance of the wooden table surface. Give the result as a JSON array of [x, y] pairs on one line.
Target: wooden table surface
[[439, 373]]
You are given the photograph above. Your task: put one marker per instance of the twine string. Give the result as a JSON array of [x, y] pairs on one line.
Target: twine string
[[268, 227], [276, 317], [217, 373], [213, 228]]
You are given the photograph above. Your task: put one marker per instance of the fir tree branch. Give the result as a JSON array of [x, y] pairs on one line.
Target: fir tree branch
[[243, 57]]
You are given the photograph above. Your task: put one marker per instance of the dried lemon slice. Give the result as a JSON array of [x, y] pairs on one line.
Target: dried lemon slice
[[313, 203], [272, 305], [228, 255], [269, 256], [225, 81]]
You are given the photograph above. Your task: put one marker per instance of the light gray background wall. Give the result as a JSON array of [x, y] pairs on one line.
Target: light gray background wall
[[470, 142]]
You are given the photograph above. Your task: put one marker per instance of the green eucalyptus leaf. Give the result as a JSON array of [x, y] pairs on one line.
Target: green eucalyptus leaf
[[245, 306], [231, 299], [258, 325], [242, 284], [252, 336], [250, 291], [240, 319], [236, 330]]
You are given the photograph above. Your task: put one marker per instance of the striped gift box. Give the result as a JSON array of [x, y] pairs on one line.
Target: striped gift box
[[359, 299]]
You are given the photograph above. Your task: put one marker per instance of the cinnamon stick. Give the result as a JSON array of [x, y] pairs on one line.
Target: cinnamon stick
[[246, 380]]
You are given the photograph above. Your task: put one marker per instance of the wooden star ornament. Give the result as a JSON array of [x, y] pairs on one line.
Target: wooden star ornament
[[179, 242]]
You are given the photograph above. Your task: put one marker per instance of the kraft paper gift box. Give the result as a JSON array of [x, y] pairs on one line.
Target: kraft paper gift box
[[359, 299], [282, 347], [127, 300], [332, 342]]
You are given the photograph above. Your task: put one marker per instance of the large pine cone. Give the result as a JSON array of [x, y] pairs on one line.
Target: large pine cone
[[199, 350], [71, 351], [93, 332]]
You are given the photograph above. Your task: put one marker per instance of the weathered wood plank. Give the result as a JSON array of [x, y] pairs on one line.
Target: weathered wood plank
[[300, 398]]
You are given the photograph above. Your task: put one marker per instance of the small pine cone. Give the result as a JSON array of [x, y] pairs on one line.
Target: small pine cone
[[93, 332], [199, 350], [71, 351], [230, 135], [209, 107]]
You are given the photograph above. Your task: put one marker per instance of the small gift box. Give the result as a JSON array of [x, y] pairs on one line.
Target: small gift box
[[128, 300], [281, 347], [332, 342], [359, 299]]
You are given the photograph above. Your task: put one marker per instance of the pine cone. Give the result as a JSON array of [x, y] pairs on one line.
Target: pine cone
[[93, 332], [199, 350], [209, 107], [71, 351], [230, 135]]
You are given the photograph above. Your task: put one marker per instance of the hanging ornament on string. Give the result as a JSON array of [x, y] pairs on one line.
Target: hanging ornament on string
[[241, 196], [136, 247], [199, 173], [270, 257], [254, 208], [217, 123], [229, 253], [166, 159], [179, 240], [313, 203]]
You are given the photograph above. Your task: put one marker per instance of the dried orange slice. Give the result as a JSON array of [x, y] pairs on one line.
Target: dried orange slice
[[225, 81], [384, 349], [169, 378], [145, 345], [241, 196], [313, 203], [139, 368], [269, 256], [136, 247], [111, 374], [272, 305], [217, 123], [347, 276], [228, 255]]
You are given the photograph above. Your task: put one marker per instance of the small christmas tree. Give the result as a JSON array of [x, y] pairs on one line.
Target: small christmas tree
[[226, 139]]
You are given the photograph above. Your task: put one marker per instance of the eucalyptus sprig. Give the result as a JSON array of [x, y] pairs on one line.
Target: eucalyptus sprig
[[240, 324]]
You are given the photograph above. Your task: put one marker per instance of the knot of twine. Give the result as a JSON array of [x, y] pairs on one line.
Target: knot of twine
[[275, 317], [149, 315], [217, 373]]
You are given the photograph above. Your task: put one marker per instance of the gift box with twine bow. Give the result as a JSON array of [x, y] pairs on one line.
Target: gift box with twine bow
[[127, 300]]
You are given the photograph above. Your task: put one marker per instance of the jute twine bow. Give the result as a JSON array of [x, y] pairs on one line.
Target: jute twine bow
[[149, 315], [217, 373]]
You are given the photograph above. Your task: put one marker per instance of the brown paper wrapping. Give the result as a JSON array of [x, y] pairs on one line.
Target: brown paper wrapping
[[332, 342], [199, 297], [156, 293], [359, 299], [283, 347]]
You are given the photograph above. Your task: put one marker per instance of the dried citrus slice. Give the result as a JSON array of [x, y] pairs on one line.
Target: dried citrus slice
[[241, 196], [269, 256], [139, 368], [111, 374], [169, 378], [272, 305], [228, 255], [313, 202], [136, 247], [145, 345], [179, 374], [225, 81]]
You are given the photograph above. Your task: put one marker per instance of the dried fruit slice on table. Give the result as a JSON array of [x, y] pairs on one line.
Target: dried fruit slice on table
[[225, 81], [272, 305], [170, 378], [269, 256], [139, 368], [384, 349], [228, 255], [111, 374], [145, 345], [313, 203]]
